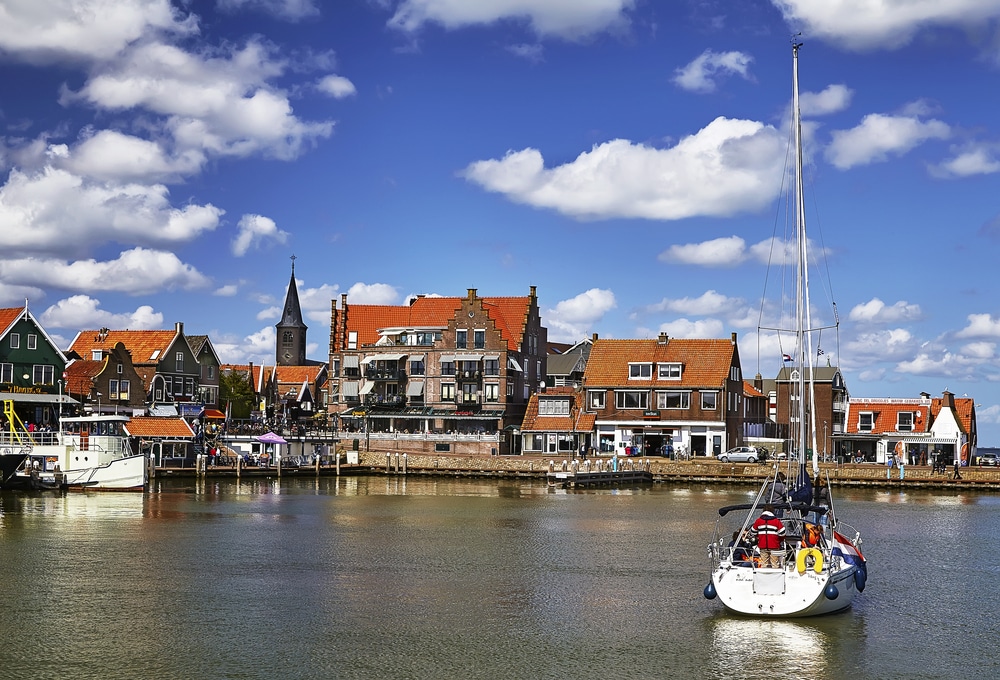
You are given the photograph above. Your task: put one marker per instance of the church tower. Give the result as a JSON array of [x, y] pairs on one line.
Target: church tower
[[290, 342]]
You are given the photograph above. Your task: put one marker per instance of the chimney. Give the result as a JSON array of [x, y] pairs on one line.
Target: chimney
[[663, 339], [472, 293], [594, 337], [947, 400], [758, 383], [179, 327], [734, 337], [531, 294]]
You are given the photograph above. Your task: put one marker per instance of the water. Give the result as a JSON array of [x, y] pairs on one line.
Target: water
[[389, 578]]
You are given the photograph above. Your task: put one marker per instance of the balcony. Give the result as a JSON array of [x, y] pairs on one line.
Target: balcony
[[385, 400], [387, 375], [469, 376]]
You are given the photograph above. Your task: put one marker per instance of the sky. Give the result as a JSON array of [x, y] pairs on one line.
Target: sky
[[162, 162]]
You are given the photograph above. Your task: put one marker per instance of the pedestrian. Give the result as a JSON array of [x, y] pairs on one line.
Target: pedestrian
[[957, 474], [888, 469], [902, 465], [770, 535]]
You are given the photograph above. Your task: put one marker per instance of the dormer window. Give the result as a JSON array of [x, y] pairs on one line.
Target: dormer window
[[553, 407], [642, 371], [904, 421], [96, 355], [866, 421], [670, 371]]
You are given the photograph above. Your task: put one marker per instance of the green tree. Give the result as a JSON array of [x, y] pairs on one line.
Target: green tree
[[236, 394]]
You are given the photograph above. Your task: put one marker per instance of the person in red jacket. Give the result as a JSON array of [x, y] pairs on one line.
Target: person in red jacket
[[770, 535]]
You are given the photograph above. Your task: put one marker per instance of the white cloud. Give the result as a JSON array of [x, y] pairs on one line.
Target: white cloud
[[254, 230], [37, 210], [700, 75], [82, 311], [568, 19], [40, 31], [534, 52], [831, 100], [879, 136], [372, 294], [979, 350], [111, 155], [721, 252], [336, 86], [571, 320], [875, 311], [728, 167], [292, 10], [136, 272], [968, 162], [228, 290], [706, 304], [683, 328], [863, 24], [272, 312], [980, 326]]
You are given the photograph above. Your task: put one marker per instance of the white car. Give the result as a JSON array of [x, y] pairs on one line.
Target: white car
[[741, 454]]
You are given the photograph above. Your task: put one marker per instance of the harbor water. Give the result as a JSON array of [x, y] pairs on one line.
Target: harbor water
[[388, 577]]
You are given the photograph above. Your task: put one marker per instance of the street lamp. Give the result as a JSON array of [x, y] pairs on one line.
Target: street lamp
[[99, 395]]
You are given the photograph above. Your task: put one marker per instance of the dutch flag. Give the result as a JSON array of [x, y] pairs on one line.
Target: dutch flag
[[786, 357], [842, 547]]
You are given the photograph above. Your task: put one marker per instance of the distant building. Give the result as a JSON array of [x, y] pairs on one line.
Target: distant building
[[832, 399], [31, 367], [290, 338]]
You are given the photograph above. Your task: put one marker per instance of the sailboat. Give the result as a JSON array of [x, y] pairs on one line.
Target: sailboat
[[818, 567]]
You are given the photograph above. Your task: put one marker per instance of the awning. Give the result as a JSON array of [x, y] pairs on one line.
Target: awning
[[923, 440], [447, 358], [366, 388], [491, 357], [389, 357], [212, 413], [350, 361], [349, 388], [367, 360], [415, 389], [468, 357], [163, 411], [36, 398], [417, 357], [512, 363]]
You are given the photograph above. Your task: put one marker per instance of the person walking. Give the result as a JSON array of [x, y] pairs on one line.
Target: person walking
[[902, 465], [770, 535], [957, 474], [888, 469]]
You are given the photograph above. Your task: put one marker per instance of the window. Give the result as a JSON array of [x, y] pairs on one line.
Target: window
[[595, 398], [189, 386], [470, 393], [673, 400], [904, 421], [866, 421], [668, 371], [491, 392], [709, 401], [461, 339], [15, 340], [447, 368], [44, 375], [632, 399], [734, 373], [123, 390], [6, 373], [491, 367], [179, 361], [553, 407], [417, 367], [96, 354], [640, 371], [352, 340], [112, 389], [120, 369], [211, 372], [447, 391], [179, 386], [510, 388], [32, 341], [479, 339], [286, 338]]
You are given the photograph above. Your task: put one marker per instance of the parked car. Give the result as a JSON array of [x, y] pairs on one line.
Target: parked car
[[740, 454], [989, 459]]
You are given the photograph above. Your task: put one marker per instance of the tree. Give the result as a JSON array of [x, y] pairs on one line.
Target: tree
[[235, 393]]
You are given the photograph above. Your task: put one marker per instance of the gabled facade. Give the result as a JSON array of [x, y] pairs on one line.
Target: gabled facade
[[645, 394], [31, 368], [290, 395], [832, 400], [169, 368], [566, 367], [556, 423], [922, 430], [437, 364], [209, 368], [110, 384]]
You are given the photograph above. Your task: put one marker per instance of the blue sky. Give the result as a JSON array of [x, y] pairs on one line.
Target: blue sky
[[160, 162]]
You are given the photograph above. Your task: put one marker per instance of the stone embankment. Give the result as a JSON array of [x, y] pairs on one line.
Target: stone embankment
[[663, 470]]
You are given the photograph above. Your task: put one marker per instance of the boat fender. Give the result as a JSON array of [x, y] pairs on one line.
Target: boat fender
[[859, 580], [831, 592], [805, 553], [710, 591]]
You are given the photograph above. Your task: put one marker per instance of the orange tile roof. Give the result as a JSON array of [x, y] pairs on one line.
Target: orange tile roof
[[149, 426], [142, 345], [576, 421], [298, 374], [885, 415], [80, 375], [750, 391], [8, 316], [963, 411], [704, 362], [509, 313]]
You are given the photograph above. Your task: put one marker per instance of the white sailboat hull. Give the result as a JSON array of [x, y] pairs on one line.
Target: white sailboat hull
[[783, 592], [121, 474]]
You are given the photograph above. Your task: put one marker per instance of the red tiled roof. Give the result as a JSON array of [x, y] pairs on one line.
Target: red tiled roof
[[704, 362], [963, 411], [142, 345], [885, 415], [750, 391], [80, 375], [298, 374], [8, 316], [149, 426], [576, 421]]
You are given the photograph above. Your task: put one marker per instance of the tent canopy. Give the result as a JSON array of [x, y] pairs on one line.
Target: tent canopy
[[271, 438]]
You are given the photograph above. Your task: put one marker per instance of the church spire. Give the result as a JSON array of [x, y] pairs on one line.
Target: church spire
[[291, 335]]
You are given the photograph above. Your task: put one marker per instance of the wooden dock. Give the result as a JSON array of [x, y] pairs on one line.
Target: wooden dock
[[583, 478]]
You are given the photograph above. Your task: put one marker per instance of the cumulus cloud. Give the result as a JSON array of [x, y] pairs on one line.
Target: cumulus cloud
[[136, 272], [830, 100], [980, 326], [720, 252], [684, 328], [228, 290], [701, 74], [968, 162], [728, 167], [372, 294], [571, 320], [292, 10], [253, 231], [708, 303], [570, 20], [112, 155], [880, 136], [876, 311], [336, 86], [82, 311], [869, 24]]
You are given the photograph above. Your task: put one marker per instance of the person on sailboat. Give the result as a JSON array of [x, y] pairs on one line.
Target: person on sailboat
[[776, 492], [821, 499], [770, 534]]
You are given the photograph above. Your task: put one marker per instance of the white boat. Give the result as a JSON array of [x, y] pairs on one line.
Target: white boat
[[89, 452], [820, 568]]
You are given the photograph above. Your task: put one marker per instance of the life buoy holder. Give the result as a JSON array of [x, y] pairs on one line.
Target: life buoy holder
[[802, 555]]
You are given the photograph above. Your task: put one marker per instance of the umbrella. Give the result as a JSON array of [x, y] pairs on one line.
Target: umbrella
[[271, 438]]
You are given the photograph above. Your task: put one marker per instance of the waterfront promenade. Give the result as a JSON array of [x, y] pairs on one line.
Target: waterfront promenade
[[662, 470]]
